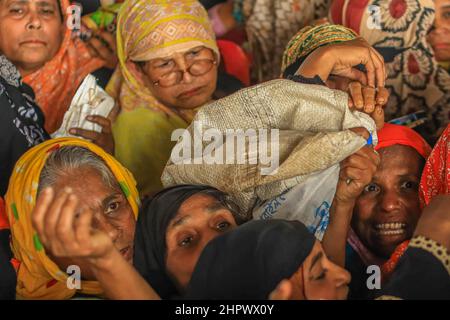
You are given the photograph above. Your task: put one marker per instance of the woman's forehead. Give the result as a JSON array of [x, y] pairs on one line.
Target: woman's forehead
[[402, 159]]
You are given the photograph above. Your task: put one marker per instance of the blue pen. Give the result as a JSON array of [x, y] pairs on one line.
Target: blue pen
[[369, 140]]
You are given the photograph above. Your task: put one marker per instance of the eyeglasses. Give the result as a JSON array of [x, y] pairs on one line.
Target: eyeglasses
[[197, 68]]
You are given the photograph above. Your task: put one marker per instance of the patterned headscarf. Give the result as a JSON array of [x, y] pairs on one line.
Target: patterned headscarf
[[56, 82], [436, 175], [310, 38], [150, 29], [38, 277], [398, 29], [270, 24]]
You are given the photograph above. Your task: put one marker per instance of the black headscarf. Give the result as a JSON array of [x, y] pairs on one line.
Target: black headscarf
[[150, 238], [250, 261]]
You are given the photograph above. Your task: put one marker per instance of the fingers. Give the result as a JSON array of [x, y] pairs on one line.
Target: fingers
[[43, 202], [361, 131], [92, 51], [52, 215], [87, 134], [382, 96], [83, 226], [369, 99], [64, 228], [370, 69], [356, 94], [359, 161], [105, 123], [363, 97], [110, 39], [378, 116], [354, 174], [102, 50], [357, 75], [282, 292], [114, 113], [380, 70], [364, 159]]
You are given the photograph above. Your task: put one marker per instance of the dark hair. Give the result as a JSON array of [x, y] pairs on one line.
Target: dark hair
[[61, 14]]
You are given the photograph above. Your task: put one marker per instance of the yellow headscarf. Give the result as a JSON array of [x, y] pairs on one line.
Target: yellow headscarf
[[38, 276], [150, 29]]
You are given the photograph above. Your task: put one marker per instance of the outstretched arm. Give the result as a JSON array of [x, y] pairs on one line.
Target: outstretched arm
[[67, 232]]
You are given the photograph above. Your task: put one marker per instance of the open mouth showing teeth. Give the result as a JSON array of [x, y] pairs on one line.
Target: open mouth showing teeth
[[390, 228]]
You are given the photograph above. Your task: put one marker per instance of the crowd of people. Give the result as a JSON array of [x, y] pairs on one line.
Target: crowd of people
[[355, 95]]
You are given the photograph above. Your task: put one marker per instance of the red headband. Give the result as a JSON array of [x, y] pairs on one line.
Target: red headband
[[393, 134]]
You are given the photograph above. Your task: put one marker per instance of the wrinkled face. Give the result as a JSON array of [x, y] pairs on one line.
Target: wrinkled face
[[189, 91], [200, 219], [31, 32], [439, 38], [321, 279], [112, 213], [387, 211]]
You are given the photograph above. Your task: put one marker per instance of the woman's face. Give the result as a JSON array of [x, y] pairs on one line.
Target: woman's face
[[200, 219], [439, 38], [387, 211], [187, 91], [112, 213], [321, 278], [31, 32]]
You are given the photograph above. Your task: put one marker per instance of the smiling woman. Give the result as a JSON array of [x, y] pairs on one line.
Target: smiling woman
[[385, 215]]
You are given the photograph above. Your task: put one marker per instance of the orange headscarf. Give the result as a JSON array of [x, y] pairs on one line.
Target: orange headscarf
[[56, 82]]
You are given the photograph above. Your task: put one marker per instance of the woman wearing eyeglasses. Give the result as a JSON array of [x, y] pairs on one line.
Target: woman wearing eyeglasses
[[168, 61]]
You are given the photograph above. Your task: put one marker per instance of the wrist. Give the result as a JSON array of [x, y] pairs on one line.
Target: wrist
[[319, 62], [344, 203], [106, 262]]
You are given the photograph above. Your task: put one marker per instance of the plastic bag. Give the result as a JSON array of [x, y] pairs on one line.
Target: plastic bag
[[90, 99], [308, 202]]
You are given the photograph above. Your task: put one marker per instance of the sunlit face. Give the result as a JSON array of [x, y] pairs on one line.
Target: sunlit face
[[439, 38], [112, 213], [31, 32], [387, 211], [190, 91], [319, 279], [200, 219]]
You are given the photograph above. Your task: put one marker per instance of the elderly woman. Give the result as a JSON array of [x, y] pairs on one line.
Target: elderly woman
[[171, 232], [83, 175], [35, 37], [168, 67]]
